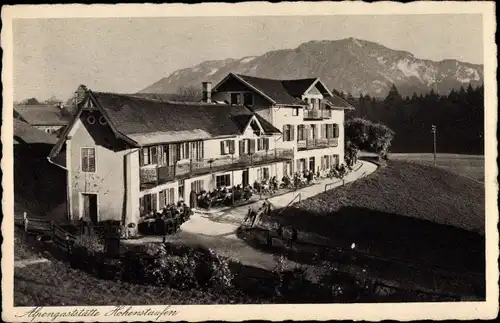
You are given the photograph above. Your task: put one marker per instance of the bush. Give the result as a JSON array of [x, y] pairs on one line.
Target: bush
[[221, 276]]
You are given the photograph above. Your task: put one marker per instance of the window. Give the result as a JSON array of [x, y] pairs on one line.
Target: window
[[295, 112], [325, 162], [288, 132], [235, 98], [262, 144], [335, 160], [312, 130], [287, 168], [246, 146], [227, 147], [301, 165], [166, 197], [88, 160], [148, 204], [332, 130], [313, 103], [149, 156], [180, 189], [263, 173], [91, 119], [197, 186], [223, 180], [248, 98], [102, 120], [301, 132]]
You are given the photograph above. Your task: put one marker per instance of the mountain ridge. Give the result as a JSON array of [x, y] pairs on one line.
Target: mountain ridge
[[350, 65]]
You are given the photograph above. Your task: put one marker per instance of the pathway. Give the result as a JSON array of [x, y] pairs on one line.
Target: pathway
[[225, 222]]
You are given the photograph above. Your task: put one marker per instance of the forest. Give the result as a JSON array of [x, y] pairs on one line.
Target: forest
[[458, 117]]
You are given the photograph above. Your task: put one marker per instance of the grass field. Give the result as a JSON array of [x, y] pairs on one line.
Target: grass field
[[405, 210], [466, 165]]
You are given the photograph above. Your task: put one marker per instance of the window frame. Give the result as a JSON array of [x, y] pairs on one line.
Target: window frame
[[228, 176], [295, 111], [248, 95], [238, 98], [81, 160]]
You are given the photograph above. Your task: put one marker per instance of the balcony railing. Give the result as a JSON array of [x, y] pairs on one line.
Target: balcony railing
[[163, 174], [317, 143], [317, 114]]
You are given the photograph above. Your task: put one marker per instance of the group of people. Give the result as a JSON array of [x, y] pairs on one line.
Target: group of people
[[223, 195], [260, 214], [180, 209]]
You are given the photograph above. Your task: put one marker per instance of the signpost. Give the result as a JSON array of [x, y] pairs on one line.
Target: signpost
[[433, 129]]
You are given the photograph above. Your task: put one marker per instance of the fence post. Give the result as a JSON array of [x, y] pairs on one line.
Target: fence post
[[25, 220]]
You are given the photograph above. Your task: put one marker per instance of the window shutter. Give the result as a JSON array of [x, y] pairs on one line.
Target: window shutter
[[231, 147], [162, 199], [266, 143], [285, 134], [252, 145], [222, 147], [92, 160], [336, 127], [292, 133], [259, 144], [241, 144], [153, 202], [141, 158]]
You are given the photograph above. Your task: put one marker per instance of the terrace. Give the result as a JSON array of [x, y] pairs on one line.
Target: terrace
[[317, 114], [309, 144], [153, 176]]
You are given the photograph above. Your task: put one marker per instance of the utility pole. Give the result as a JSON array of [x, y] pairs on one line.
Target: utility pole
[[434, 135]]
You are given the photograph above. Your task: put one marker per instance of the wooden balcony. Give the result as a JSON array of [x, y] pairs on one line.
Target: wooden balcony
[[153, 176], [317, 114], [309, 144]]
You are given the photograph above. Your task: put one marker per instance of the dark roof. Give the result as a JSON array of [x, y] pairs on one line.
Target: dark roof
[[41, 115], [276, 89], [26, 134], [133, 115], [337, 102], [297, 87], [289, 92]]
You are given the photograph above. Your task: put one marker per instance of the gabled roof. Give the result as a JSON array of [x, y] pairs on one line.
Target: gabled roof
[[141, 121], [336, 102], [26, 134], [287, 92], [41, 115]]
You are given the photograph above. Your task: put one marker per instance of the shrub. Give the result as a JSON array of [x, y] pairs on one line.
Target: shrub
[[93, 243], [221, 275]]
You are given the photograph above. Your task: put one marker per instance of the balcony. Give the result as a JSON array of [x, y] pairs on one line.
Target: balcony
[[317, 114], [152, 176], [317, 143]]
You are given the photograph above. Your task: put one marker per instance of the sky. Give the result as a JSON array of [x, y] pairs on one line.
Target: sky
[[53, 56]]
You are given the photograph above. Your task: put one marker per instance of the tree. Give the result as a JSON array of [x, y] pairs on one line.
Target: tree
[[187, 94], [393, 97], [369, 136], [30, 101]]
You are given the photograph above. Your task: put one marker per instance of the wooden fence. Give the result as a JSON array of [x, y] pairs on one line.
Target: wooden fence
[[48, 229]]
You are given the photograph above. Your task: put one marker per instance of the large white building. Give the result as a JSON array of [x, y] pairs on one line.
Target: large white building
[[127, 156]]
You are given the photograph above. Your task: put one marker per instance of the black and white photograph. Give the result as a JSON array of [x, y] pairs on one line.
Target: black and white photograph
[[316, 160]]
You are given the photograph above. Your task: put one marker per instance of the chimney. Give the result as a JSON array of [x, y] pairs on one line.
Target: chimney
[[207, 92]]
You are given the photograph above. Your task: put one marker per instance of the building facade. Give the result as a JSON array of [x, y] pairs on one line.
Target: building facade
[[127, 157], [310, 117]]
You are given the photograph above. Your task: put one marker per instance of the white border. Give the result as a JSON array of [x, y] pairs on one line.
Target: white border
[[372, 312]]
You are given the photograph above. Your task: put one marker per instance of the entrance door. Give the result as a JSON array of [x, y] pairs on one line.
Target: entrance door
[[312, 164], [244, 178], [90, 208]]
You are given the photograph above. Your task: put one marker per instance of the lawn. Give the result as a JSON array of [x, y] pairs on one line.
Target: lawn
[[407, 211], [466, 165]]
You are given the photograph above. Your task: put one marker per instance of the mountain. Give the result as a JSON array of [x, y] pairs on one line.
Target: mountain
[[348, 65]]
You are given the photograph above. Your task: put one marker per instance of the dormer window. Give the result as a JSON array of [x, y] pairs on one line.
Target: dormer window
[[235, 98], [248, 99]]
